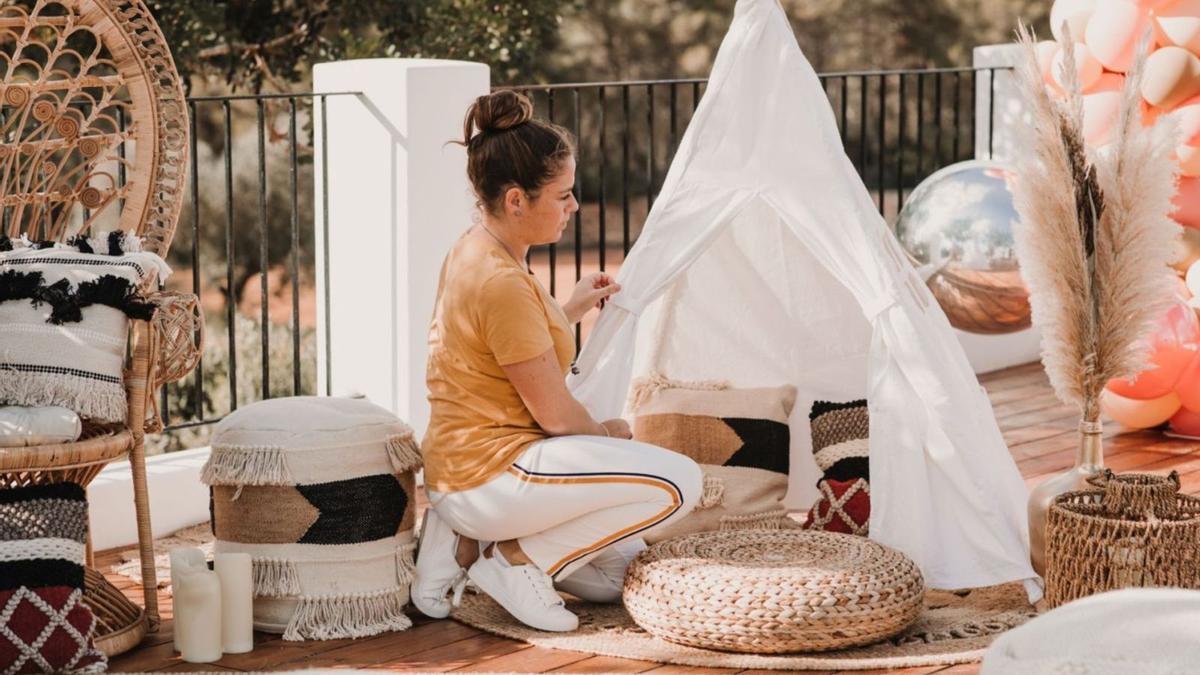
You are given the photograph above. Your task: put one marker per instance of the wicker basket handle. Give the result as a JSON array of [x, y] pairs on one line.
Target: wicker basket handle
[[1138, 496]]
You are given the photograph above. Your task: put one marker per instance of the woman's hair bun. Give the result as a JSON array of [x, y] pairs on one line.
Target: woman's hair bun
[[499, 111]]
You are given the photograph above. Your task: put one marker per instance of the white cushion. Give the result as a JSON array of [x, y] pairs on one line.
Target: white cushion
[[1147, 631]]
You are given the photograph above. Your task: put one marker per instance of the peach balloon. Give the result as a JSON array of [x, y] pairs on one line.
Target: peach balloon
[[1186, 422], [1102, 109], [1137, 414], [1087, 68], [1187, 201], [1172, 76], [1188, 157], [1177, 23], [1192, 279], [1188, 387], [1151, 4], [1113, 31], [1187, 251], [1174, 343], [1187, 116], [1075, 13]]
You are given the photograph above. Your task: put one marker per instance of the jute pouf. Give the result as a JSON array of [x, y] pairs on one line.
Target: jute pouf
[[320, 492], [771, 592]]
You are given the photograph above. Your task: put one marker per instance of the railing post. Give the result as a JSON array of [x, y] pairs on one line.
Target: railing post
[[397, 197], [998, 108]]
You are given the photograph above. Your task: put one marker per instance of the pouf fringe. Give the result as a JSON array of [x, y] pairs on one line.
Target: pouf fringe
[[274, 578], [713, 493], [405, 564], [348, 616], [246, 465], [404, 452], [101, 401], [768, 520]]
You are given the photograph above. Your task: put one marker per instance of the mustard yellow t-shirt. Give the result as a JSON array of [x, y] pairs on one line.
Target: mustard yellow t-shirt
[[489, 312]]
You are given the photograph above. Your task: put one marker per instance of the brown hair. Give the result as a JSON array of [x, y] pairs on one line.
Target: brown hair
[[512, 148]]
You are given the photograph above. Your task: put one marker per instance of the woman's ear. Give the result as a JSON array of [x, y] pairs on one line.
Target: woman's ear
[[515, 201]]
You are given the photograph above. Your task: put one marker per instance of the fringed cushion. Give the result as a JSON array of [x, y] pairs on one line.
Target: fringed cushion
[[45, 627], [63, 321], [320, 492], [840, 439], [740, 437]]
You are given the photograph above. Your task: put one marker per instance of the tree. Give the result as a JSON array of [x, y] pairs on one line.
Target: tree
[[257, 44]]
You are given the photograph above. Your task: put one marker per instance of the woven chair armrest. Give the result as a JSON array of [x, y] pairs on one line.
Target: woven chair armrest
[[179, 330]]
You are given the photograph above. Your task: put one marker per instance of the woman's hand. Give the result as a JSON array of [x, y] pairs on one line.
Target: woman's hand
[[617, 428], [591, 291]]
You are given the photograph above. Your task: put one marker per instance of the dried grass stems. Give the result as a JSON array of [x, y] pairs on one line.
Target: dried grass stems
[[1095, 236]]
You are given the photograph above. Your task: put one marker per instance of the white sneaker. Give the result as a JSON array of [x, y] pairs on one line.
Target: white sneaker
[[526, 592], [438, 572]]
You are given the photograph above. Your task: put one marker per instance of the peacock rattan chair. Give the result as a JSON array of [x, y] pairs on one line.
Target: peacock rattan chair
[[94, 135]]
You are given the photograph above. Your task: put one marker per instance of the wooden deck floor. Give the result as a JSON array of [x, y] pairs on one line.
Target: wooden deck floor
[[1041, 434]]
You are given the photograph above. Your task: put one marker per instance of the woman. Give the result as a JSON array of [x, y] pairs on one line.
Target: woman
[[527, 490]]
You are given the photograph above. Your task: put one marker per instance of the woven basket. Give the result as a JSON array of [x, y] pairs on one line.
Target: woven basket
[[771, 592], [1134, 530]]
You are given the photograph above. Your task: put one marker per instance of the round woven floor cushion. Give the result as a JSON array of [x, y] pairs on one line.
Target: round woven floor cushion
[[772, 592]]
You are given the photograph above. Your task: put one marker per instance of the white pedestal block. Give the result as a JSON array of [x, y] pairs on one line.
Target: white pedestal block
[[397, 197]]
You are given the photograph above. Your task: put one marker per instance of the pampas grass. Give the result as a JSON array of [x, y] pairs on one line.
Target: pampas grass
[[1095, 236]]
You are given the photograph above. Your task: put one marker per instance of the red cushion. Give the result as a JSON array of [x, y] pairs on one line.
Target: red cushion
[[45, 627]]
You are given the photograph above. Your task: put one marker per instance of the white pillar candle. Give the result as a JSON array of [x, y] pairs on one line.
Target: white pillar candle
[[237, 601], [198, 615], [182, 557]]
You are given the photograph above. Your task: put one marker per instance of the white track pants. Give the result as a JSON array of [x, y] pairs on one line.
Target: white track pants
[[570, 499]]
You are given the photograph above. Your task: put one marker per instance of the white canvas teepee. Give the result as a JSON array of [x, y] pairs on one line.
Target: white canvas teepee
[[764, 261]]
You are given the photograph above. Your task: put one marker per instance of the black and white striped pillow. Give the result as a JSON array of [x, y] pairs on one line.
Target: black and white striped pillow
[[63, 321]]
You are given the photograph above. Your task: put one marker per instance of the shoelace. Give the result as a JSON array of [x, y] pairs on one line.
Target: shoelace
[[544, 586], [457, 585]]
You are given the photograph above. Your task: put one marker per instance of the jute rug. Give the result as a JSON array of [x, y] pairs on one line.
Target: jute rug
[[956, 627], [199, 536]]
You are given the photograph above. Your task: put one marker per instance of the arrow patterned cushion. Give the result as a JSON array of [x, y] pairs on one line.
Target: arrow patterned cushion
[[739, 436], [45, 627], [320, 492], [840, 438]]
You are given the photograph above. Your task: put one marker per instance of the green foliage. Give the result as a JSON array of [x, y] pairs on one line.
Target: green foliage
[[250, 44], [215, 398]]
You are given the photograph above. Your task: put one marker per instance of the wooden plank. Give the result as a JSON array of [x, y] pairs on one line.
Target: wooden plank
[[528, 660], [351, 653], [608, 664], [184, 667], [451, 656]]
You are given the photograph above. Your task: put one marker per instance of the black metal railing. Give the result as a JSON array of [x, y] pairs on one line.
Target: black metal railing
[[897, 127], [249, 216]]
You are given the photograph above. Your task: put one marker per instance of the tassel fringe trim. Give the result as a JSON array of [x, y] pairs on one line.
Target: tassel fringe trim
[[405, 563], [404, 452], [348, 616], [67, 303], [246, 465], [102, 243], [645, 388], [275, 578], [775, 519], [100, 401], [713, 493]]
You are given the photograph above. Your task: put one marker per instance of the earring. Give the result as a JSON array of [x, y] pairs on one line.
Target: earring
[[518, 212]]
